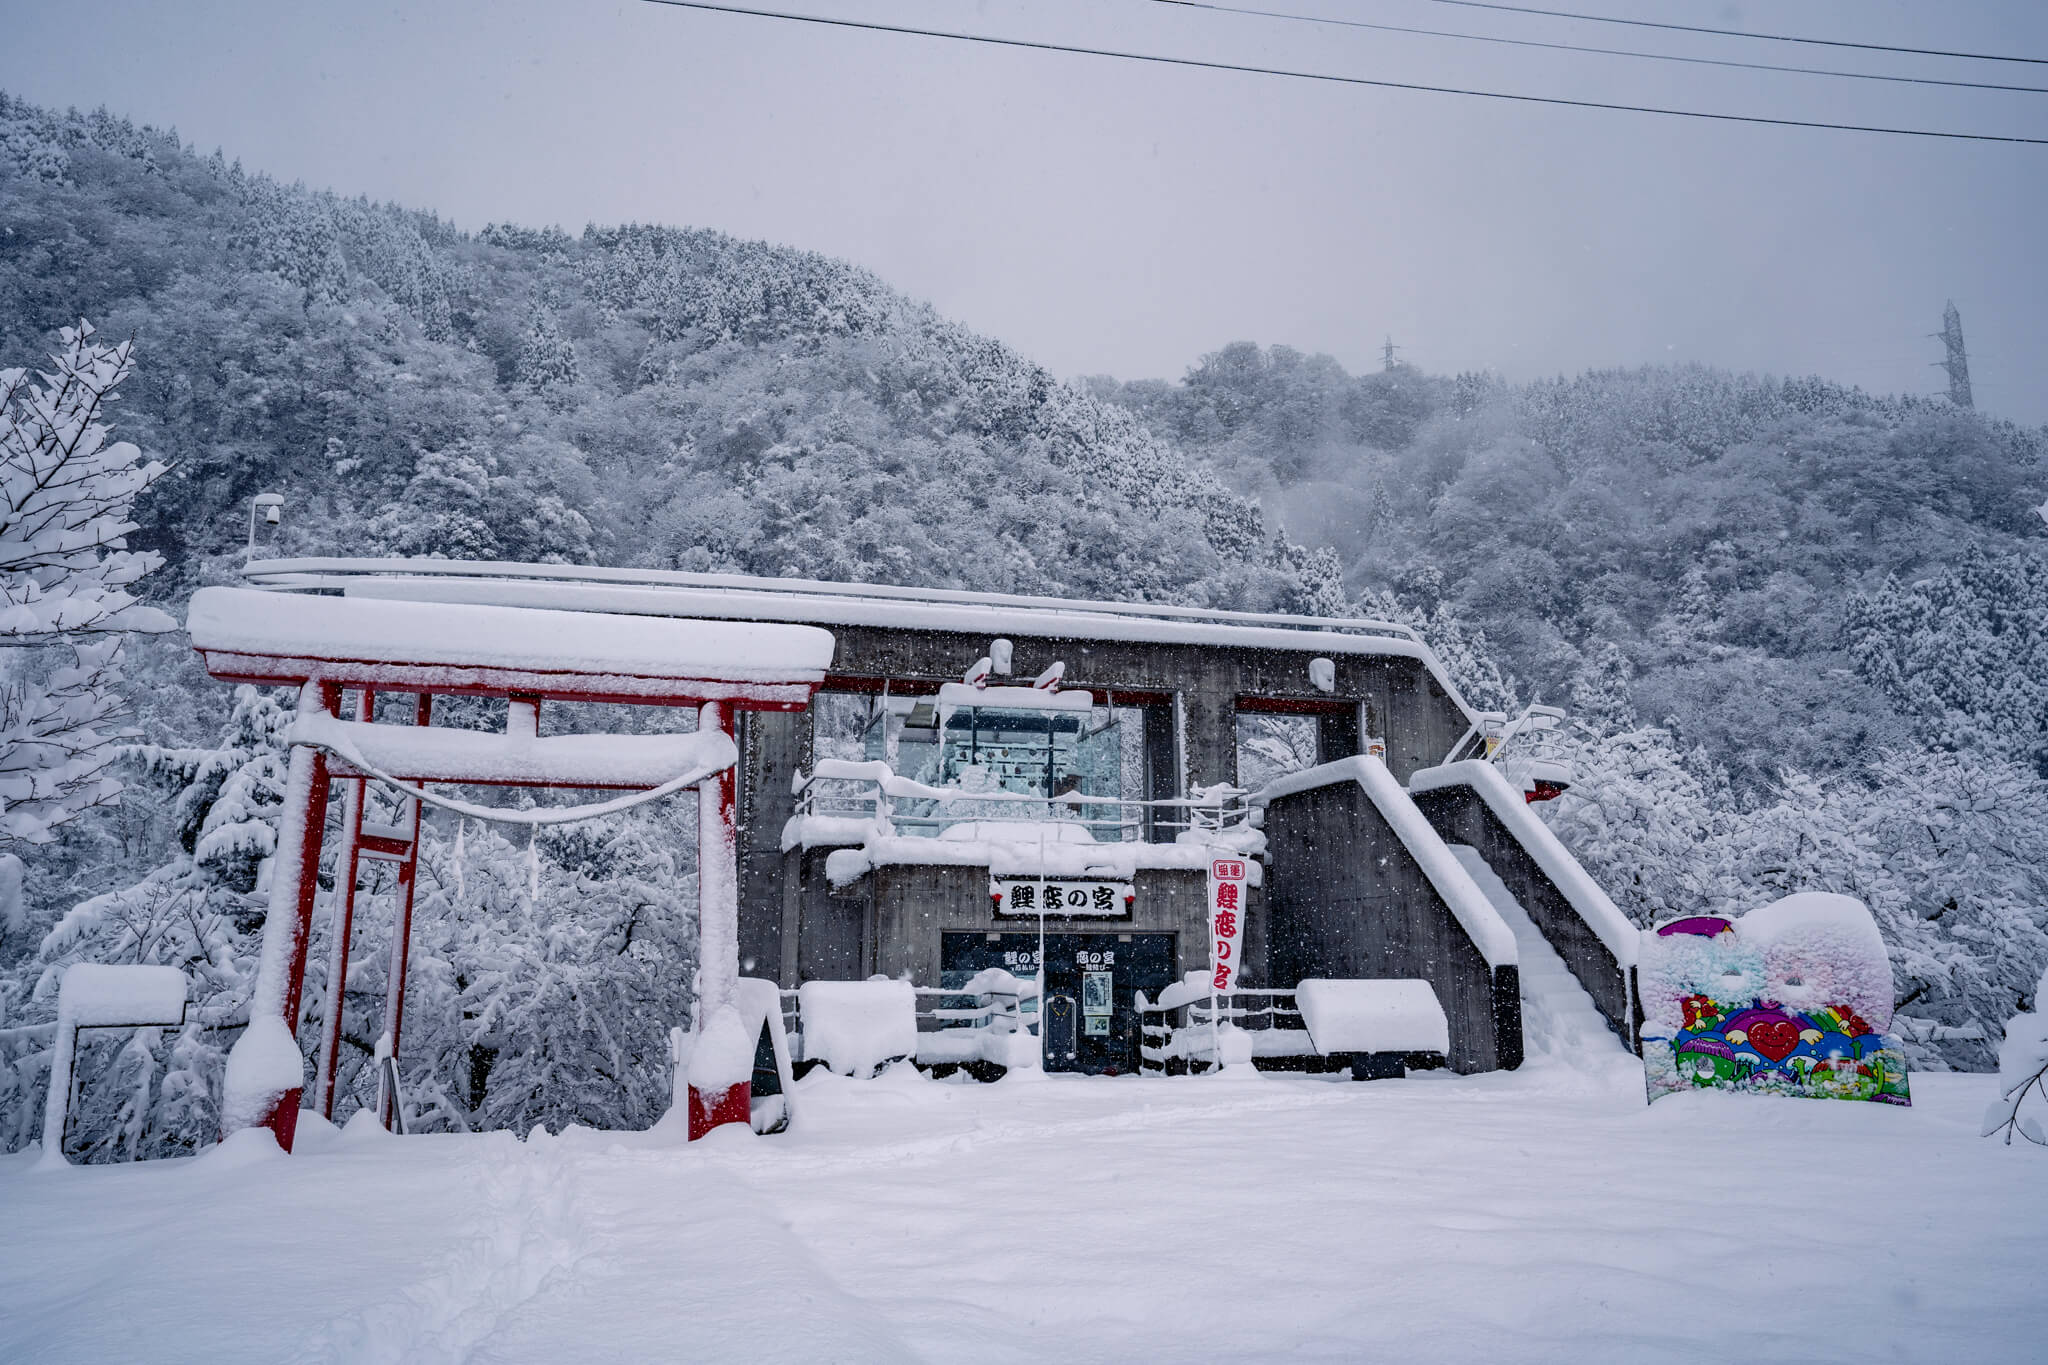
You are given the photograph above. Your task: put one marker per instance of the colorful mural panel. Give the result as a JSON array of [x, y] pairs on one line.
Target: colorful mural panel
[[1790, 999]]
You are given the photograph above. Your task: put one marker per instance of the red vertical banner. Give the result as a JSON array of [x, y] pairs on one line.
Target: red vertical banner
[[1226, 921]]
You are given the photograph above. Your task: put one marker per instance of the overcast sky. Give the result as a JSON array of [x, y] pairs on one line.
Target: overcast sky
[[1110, 217]]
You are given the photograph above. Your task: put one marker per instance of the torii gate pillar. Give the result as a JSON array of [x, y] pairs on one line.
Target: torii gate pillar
[[713, 1096]]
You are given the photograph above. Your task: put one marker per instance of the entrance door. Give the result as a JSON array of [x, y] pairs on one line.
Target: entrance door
[[1091, 1018], [1062, 1033]]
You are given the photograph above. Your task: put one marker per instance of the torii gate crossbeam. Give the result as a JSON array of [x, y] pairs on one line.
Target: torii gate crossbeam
[[324, 645]]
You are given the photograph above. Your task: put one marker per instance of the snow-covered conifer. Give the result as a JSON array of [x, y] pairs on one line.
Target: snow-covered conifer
[[67, 495]]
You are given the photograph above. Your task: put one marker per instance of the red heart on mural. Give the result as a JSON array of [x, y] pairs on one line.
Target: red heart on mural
[[1774, 1038]]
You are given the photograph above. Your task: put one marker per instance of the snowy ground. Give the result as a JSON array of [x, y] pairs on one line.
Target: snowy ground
[[1540, 1215]]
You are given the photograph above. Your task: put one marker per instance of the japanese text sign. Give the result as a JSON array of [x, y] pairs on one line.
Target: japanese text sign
[[1226, 920]]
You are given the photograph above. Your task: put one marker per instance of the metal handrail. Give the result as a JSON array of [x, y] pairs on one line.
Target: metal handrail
[[1224, 806]]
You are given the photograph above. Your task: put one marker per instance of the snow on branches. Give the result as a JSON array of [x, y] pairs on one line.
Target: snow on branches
[[2022, 1076], [66, 493]]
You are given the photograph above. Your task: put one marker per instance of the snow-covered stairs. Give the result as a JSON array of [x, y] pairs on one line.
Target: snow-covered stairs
[[1560, 1025]]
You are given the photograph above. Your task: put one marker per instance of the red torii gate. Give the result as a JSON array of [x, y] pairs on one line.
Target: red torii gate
[[323, 645]]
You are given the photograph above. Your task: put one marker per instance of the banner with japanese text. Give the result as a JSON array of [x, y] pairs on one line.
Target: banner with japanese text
[[1226, 921]]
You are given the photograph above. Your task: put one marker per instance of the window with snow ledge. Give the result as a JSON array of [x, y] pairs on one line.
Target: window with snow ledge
[[1049, 761], [1271, 746]]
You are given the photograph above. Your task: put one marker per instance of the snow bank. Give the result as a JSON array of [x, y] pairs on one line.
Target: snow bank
[[96, 995], [466, 635], [1595, 907], [1494, 940], [1399, 1015], [854, 1027]]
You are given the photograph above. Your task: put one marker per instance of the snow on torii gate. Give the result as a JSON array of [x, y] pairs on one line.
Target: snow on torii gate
[[322, 645]]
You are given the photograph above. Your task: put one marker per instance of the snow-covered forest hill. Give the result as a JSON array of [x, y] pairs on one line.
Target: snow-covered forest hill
[[1800, 623]]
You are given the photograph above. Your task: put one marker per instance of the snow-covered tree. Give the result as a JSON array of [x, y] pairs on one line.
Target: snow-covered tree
[[2022, 1103], [199, 911], [547, 973], [547, 359], [67, 495]]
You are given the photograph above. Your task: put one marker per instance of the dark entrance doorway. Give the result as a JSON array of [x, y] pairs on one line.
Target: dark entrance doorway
[[1091, 1023]]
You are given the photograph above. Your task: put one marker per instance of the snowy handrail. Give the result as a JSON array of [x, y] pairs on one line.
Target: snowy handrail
[[1212, 808]]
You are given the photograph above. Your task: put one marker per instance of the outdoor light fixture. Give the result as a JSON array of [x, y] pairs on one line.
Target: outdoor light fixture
[[271, 507]]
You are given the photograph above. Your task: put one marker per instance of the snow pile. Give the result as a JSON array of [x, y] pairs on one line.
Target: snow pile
[[95, 995], [760, 600], [953, 696], [857, 1027], [1822, 949], [265, 1064], [2023, 1075], [722, 1052], [1002, 1038], [1468, 904], [1399, 1015]]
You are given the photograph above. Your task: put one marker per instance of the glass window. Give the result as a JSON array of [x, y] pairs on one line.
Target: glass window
[[1270, 746]]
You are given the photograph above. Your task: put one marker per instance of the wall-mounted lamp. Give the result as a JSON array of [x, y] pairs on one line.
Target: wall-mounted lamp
[[269, 506]]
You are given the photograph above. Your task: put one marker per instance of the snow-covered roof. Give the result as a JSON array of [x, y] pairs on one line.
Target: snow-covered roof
[[250, 635], [736, 597]]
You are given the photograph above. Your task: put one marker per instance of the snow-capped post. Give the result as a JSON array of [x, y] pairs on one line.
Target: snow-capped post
[[100, 995], [722, 1062], [265, 1073]]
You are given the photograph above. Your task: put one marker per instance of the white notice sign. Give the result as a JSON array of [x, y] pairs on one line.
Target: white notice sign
[[1094, 899]]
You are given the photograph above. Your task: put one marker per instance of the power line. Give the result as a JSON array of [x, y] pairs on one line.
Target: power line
[[1243, 69], [1739, 33], [1599, 51]]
